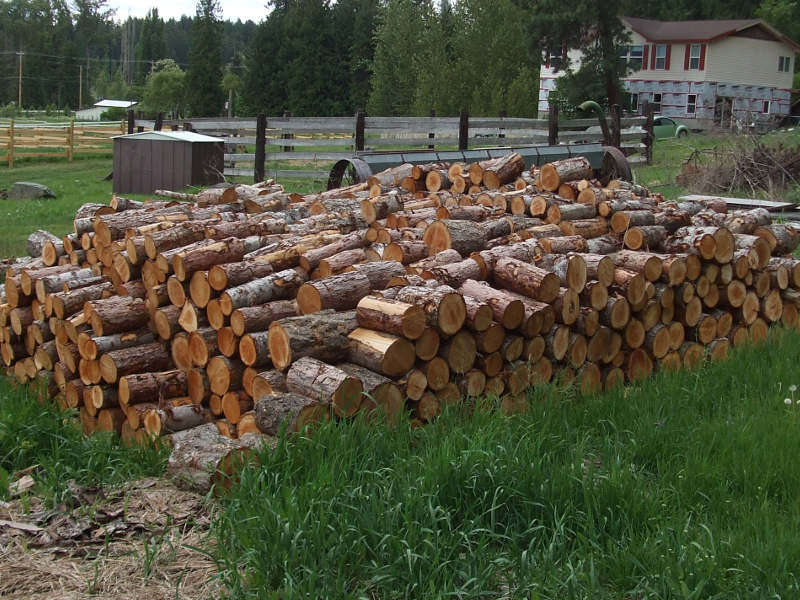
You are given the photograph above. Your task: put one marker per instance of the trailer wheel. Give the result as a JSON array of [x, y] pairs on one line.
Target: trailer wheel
[[348, 171], [615, 166]]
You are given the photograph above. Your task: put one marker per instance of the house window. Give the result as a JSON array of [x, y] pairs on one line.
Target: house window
[[784, 64], [661, 56], [632, 56], [554, 58], [766, 107], [691, 104], [632, 102], [694, 56], [657, 102]]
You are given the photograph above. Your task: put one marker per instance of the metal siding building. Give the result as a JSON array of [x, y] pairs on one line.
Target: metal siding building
[[170, 160]]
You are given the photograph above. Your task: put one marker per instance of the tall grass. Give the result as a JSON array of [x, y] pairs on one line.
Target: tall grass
[[685, 486], [38, 435]]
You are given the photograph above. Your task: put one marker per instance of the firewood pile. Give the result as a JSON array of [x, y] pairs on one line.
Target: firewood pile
[[252, 308]]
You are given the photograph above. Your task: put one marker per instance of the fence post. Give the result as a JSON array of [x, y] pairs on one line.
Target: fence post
[[359, 133], [502, 115], [287, 136], [131, 122], [11, 144], [616, 125], [463, 130], [70, 139], [187, 126], [431, 135], [552, 125], [649, 136], [159, 122], [261, 143]]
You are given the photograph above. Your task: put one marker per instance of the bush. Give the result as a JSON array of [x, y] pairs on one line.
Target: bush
[[113, 114]]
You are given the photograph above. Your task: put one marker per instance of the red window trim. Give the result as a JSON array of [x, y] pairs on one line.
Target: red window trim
[[686, 57], [667, 54], [645, 56], [702, 57]]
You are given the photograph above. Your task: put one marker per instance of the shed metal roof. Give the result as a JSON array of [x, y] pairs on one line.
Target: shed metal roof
[[116, 103], [181, 136]]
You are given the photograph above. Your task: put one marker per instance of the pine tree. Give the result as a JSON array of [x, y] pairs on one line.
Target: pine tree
[[151, 46], [394, 69], [204, 75]]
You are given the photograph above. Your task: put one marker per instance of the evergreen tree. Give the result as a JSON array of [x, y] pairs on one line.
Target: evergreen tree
[[151, 46], [394, 69], [204, 75], [599, 33]]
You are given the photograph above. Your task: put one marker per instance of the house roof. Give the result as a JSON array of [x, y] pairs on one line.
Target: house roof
[[683, 31], [182, 136], [116, 103]]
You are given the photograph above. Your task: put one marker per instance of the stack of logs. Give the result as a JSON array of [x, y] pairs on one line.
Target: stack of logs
[[255, 309]]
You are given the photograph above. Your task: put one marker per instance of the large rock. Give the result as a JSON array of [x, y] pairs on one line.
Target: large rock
[[27, 190]]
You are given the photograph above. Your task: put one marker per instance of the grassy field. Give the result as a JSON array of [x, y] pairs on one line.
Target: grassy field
[[683, 487]]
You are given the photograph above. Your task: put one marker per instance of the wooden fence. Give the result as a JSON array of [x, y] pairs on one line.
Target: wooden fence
[[265, 146], [56, 140]]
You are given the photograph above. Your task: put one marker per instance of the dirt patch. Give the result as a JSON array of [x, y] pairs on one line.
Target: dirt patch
[[138, 541]]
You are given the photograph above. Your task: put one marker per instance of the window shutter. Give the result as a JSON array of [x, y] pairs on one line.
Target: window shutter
[[645, 54], [702, 57], [686, 57], [653, 57], [666, 59]]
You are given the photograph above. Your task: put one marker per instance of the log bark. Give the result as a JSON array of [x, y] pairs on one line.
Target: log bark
[[222, 277], [293, 411], [152, 387], [260, 317], [278, 286], [327, 384], [116, 315], [321, 335], [462, 236], [339, 292], [527, 279], [555, 173], [136, 359], [445, 309], [391, 316]]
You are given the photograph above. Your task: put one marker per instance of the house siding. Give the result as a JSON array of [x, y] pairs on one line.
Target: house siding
[[741, 68], [747, 61]]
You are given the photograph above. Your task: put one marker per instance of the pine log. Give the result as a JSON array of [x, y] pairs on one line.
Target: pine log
[[277, 286], [136, 359], [260, 317], [555, 173], [338, 292], [325, 383], [321, 335], [222, 277], [527, 279], [380, 352]]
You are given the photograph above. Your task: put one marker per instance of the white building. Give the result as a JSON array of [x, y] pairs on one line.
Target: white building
[[703, 70], [93, 114]]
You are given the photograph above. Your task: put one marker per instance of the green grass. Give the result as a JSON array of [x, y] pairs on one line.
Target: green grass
[[685, 486], [74, 184], [38, 435]]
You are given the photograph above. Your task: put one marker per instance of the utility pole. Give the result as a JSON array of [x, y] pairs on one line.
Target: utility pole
[[80, 87], [19, 81]]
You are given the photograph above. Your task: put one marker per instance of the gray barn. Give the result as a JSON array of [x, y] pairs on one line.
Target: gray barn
[[168, 160]]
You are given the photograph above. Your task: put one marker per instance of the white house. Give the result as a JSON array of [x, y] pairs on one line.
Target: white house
[[93, 113], [703, 70]]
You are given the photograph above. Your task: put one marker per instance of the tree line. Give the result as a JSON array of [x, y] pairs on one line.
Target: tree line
[[318, 57]]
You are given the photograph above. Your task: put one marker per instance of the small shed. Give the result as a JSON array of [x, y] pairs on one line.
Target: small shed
[[95, 112], [168, 160]]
